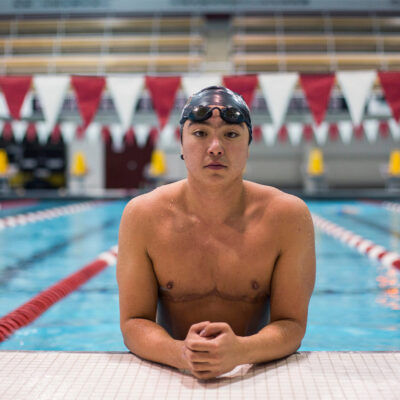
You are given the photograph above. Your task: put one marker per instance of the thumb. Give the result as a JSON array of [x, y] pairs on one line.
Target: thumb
[[197, 328], [212, 330]]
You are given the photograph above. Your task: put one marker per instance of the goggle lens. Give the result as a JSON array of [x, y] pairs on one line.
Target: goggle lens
[[230, 114]]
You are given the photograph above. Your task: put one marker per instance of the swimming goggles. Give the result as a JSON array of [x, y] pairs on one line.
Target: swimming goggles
[[200, 113]]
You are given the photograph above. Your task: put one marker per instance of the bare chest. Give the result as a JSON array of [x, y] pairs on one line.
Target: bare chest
[[234, 262]]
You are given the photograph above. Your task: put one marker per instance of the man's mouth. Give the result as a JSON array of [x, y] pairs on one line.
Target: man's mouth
[[216, 166]]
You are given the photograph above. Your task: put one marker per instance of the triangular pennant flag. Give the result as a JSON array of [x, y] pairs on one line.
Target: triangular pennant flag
[[333, 131], [356, 87], [15, 89], [105, 134], [130, 137], [269, 134], [178, 133], [68, 129], [93, 132], [358, 131], [154, 134], [295, 132], [390, 82], [19, 130], [27, 106], [245, 85], [163, 91], [117, 135], [142, 132], [56, 134], [283, 134], [4, 113], [43, 132], [166, 138], [88, 91], [277, 89], [257, 133], [371, 127], [125, 91], [51, 90], [193, 84], [7, 131], [395, 129], [384, 129], [317, 89], [321, 133], [345, 130], [31, 132], [308, 132]]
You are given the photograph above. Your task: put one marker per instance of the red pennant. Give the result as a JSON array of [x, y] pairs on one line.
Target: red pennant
[[56, 134], [15, 89], [390, 82], [31, 132], [130, 136], [257, 133], [245, 85], [163, 92], [7, 131], [283, 134], [106, 134], [308, 132], [88, 91], [178, 133], [333, 132], [384, 129], [153, 135], [317, 88], [80, 132], [358, 132]]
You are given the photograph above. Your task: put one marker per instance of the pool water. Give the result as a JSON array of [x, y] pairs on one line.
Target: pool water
[[355, 304]]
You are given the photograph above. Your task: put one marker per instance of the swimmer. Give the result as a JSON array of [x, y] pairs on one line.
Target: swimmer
[[215, 271]]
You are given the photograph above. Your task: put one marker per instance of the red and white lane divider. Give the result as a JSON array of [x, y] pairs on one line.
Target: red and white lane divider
[[35, 307], [364, 246], [23, 219]]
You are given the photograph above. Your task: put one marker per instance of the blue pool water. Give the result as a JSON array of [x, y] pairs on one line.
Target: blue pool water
[[355, 305]]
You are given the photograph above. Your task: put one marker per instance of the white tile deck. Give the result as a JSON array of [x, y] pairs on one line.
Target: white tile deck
[[306, 375]]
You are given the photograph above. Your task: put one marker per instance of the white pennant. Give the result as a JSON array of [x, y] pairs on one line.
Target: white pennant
[[166, 137], [193, 84], [117, 135], [19, 130], [51, 90], [356, 87], [68, 130], [277, 89], [394, 128], [345, 130], [125, 91], [321, 132], [295, 132], [27, 106], [4, 113], [371, 127], [269, 134], [93, 132], [43, 131], [142, 132]]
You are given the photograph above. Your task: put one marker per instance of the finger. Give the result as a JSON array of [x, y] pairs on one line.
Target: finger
[[197, 328], [200, 356], [214, 329], [200, 345]]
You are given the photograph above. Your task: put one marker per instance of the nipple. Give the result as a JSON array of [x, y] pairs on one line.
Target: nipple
[[170, 285], [255, 285]]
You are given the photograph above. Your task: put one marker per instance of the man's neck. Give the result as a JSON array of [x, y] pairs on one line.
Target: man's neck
[[215, 203]]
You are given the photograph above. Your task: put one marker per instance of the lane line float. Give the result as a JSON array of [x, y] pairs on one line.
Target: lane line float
[[31, 217], [32, 309], [364, 246]]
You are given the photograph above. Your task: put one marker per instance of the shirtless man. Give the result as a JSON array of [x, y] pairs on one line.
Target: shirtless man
[[215, 271]]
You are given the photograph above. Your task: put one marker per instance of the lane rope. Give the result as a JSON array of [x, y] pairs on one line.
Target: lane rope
[[31, 217], [364, 246], [32, 309]]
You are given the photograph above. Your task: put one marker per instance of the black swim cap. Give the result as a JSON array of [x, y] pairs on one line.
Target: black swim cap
[[219, 96]]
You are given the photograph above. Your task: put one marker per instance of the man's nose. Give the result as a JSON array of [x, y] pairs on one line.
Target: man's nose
[[215, 147]]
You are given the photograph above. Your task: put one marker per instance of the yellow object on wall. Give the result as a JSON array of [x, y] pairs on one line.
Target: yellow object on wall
[[315, 162], [158, 165], [394, 163], [3, 162], [79, 167]]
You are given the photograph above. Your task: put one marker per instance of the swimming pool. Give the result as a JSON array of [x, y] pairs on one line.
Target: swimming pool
[[355, 305]]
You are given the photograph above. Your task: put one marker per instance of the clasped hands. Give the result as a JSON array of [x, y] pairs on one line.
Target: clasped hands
[[211, 349]]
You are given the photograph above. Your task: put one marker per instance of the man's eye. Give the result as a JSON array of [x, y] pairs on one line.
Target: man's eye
[[232, 134], [198, 133]]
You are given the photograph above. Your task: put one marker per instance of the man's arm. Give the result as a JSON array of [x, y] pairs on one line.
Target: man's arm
[[138, 291], [218, 350]]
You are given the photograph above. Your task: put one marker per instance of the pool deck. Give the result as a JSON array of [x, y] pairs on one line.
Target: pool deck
[[304, 375]]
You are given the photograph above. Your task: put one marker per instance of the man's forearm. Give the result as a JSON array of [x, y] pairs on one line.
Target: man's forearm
[[150, 341], [276, 340]]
